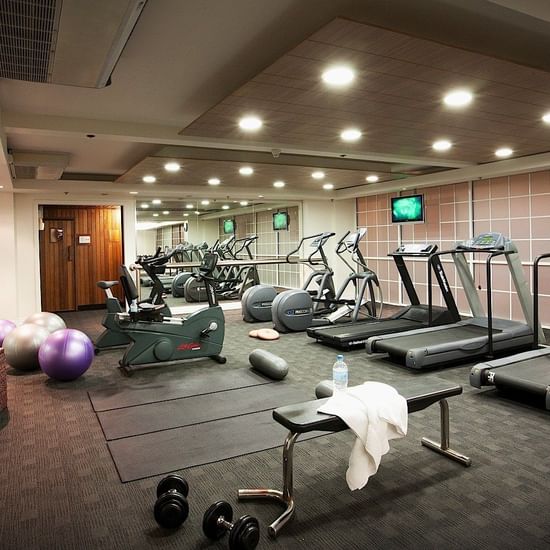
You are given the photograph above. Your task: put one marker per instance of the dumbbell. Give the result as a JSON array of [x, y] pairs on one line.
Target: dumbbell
[[171, 508], [244, 534]]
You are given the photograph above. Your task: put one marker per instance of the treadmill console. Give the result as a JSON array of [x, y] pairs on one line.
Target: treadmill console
[[415, 249], [484, 242]]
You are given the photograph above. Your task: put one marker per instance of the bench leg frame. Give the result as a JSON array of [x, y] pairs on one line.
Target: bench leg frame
[[443, 447], [286, 496]]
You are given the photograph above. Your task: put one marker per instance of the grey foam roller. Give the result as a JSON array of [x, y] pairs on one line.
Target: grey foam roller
[[323, 389], [268, 364]]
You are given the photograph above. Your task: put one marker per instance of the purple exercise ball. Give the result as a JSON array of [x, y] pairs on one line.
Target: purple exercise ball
[[5, 328], [66, 354]]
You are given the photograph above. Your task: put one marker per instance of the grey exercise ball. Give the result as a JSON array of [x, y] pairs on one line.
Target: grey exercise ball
[[21, 346], [50, 321]]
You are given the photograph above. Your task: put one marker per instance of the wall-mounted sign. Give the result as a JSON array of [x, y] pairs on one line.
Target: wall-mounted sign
[[84, 239]]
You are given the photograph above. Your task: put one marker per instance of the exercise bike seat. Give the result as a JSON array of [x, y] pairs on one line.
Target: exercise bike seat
[[104, 285]]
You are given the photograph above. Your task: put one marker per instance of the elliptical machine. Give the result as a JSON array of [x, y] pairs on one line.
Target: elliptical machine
[[157, 339], [195, 253], [315, 297]]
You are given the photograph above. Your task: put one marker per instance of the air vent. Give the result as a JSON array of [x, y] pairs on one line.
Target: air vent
[[27, 39], [73, 42]]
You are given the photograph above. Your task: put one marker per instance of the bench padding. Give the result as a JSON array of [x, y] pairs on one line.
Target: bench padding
[[303, 417]]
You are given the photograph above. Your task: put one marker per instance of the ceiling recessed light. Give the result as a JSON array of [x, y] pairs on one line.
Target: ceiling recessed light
[[225, 207], [339, 75], [442, 145], [197, 212], [546, 118], [189, 205], [373, 178], [318, 175], [246, 170], [155, 215], [156, 201], [260, 196], [149, 179], [214, 181], [172, 167], [166, 212], [278, 183], [250, 123], [144, 205], [351, 134], [328, 186], [186, 214], [458, 98], [205, 202], [503, 152], [131, 192], [1, 187], [244, 203]]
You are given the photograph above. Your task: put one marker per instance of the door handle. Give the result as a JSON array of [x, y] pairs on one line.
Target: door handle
[[69, 253]]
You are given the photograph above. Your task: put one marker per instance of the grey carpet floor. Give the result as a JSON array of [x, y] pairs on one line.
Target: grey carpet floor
[[59, 488]]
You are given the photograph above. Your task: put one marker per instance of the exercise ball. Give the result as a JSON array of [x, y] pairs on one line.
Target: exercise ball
[[5, 328], [66, 354], [50, 321], [21, 346]]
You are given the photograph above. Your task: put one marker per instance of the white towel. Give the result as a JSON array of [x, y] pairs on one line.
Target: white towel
[[376, 413]]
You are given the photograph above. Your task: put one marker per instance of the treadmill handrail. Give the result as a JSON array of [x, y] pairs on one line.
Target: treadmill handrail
[[492, 254], [536, 298]]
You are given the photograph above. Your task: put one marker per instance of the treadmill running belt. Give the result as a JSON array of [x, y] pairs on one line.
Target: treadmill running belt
[[474, 334], [356, 334], [531, 376]]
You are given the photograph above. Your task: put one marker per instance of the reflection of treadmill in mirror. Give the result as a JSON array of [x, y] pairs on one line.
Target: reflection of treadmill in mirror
[[353, 335], [525, 374], [481, 335]]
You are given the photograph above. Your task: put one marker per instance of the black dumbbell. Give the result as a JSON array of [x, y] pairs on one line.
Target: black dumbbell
[[171, 508], [244, 534]]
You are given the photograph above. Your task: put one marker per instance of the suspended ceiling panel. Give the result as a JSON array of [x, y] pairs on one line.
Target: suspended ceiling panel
[[396, 99]]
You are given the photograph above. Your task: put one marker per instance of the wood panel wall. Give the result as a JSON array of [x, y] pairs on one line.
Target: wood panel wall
[[98, 260]]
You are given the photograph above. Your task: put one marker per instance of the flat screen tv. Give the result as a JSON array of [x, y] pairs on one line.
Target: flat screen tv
[[407, 209], [280, 221], [229, 226]]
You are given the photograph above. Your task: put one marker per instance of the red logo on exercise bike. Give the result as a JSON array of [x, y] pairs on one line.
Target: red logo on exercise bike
[[187, 346]]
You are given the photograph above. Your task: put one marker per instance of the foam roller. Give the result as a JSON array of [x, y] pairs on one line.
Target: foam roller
[[268, 364], [323, 389]]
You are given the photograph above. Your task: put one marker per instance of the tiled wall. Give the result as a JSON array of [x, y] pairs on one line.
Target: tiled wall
[[271, 243], [518, 206]]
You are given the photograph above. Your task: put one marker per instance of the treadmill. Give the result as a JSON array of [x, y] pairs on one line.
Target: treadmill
[[481, 335], [349, 335], [526, 374]]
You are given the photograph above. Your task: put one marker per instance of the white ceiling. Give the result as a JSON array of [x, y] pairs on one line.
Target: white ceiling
[[184, 58]]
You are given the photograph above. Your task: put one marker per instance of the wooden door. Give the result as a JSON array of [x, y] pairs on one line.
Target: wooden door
[[57, 266]]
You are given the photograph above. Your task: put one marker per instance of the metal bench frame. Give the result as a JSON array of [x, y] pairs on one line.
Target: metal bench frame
[[286, 496]]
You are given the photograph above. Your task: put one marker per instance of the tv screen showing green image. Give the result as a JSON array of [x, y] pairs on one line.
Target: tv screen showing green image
[[229, 226], [280, 221], [407, 209]]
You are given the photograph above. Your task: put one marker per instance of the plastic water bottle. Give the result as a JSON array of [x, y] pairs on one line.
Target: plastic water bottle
[[339, 374]]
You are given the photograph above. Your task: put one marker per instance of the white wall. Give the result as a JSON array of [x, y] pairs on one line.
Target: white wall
[[8, 273], [146, 241], [330, 215], [203, 230], [27, 263]]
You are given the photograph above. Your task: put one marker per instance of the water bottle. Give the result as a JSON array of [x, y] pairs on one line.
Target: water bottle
[[339, 374]]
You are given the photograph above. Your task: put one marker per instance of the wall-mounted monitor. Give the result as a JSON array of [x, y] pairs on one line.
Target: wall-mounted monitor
[[407, 209], [280, 221], [229, 226]]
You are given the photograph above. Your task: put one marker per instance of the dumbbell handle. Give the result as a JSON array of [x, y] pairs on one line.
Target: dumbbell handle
[[222, 522]]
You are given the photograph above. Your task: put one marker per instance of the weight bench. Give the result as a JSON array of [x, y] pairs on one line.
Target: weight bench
[[303, 417]]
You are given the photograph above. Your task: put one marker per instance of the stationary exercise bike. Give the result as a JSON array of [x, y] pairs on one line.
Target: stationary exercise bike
[[112, 337], [157, 339]]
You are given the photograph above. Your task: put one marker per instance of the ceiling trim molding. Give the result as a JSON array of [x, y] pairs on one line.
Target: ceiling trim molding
[[34, 124], [532, 163]]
